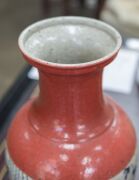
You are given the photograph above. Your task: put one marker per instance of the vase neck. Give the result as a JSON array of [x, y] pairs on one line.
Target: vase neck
[[72, 106]]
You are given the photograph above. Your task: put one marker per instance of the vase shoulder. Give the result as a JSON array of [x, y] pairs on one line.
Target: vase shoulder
[[101, 157]]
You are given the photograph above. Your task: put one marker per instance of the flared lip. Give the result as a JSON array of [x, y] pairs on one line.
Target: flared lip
[[69, 20]]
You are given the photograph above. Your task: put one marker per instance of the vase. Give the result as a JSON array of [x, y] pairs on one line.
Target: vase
[[71, 130]]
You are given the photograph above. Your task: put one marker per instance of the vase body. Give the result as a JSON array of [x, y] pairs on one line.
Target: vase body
[[71, 130]]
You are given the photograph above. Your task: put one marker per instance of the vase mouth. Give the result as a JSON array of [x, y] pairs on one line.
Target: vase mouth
[[69, 41]]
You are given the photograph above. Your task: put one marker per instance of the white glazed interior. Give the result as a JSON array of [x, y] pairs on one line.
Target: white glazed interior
[[69, 40]]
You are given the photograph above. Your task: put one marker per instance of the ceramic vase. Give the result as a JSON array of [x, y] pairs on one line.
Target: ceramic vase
[[71, 130]]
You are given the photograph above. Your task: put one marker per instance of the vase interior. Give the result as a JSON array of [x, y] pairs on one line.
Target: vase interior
[[70, 40]]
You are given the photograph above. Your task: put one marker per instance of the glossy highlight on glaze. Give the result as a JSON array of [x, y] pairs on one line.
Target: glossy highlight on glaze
[[72, 130]]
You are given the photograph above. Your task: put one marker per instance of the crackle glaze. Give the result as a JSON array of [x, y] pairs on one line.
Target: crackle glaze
[[71, 130]]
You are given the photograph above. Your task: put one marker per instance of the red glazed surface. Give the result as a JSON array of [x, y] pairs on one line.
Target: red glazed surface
[[71, 131]]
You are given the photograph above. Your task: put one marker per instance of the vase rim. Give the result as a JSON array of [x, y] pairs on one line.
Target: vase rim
[[69, 19]]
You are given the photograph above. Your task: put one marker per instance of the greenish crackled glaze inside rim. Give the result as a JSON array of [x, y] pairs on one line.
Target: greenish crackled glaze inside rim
[[69, 41]]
